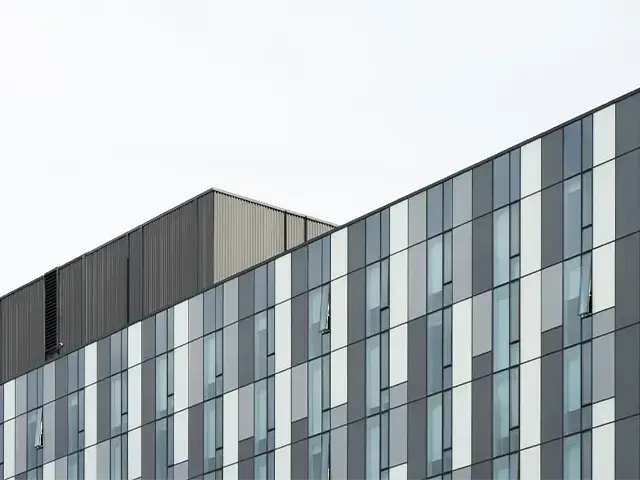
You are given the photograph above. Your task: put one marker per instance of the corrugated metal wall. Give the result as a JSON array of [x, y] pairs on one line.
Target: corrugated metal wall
[[71, 297], [22, 341], [136, 278], [206, 240], [316, 228], [295, 230]]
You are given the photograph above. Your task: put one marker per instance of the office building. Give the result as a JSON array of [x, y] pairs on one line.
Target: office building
[[487, 326]]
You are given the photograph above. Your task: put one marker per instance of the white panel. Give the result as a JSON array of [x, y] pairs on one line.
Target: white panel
[[91, 413], [462, 342], [230, 427], [338, 377], [283, 278], [230, 472], [181, 437], [9, 400], [9, 448], [339, 313], [181, 324], [604, 204], [399, 227], [530, 317], [91, 461], [134, 347], [398, 472], [398, 275], [134, 397], [283, 336], [181, 378], [530, 403], [604, 451], [398, 355], [283, 412], [91, 363], [49, 470], [604, 277], [603, 412], [461, 426], [604, 135], [530, 463], [135, 454], [283, 462], [339, 245], [530, 167], [530, 234]]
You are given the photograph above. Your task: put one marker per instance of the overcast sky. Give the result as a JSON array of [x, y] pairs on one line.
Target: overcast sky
[[112, 111]]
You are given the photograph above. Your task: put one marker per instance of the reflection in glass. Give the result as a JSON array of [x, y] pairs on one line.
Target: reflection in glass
[[318, 310], [314, 374], [373, 374], [434, 208], [161, 447], [501, 181], [434, 352], [434, 435], [209, 366], [260, 419], [315, 458], [514, 387], [260, 467], [373, 299], [501, 399], [501, 242], [261, 341], [373, 448], [572, 458], [572, 149], [72, 421], [210, 435], [501, 328], [116, 457], [161, 386], [572, 389], [434, 273], [572, 217], [501, 468], [72, 467], [571, 302], [585, 285], [116, 404]]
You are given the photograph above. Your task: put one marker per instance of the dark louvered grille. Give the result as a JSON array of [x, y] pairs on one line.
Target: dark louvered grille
[[51, 312]]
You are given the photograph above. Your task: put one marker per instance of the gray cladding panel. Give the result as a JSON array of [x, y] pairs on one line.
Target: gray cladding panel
[[136, 278], [22, 330], [482, 189], [71, 287], [552, 243], [627, 371], [628, 124], [627, 280], [627, 193], [551, 421], [356, 366], [627, 460], [196, 439], [551, 158], [295, 230], [148, 454], [206, 232], [299, 456], [417, 359], [481, 412], [356, 435], [417, 439], [551, 460], [482, 256]]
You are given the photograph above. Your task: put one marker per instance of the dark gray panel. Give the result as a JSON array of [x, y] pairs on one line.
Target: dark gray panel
[[62, 433], [299, 330], [627, 253], [356, 366], [148, 389], [356, 435], [170, 247], [245, 351], [106, 289], [417, 440], [148, 338], [71, 305], [148, 456], [627, 194], [136, 307], [104, 409], [22, 330], [299, 458], [196, 439], [245, 448], [627, 447], [627, 371], [245, 294], [206, 236], [417, 359], [356, 305], [245, 470], [61, 377], [481, 365], [482, 189], [627, 125], [299, 277], [482, 256], [481, 471], [356, 245], [299, 430], [552, 241], [551, 397], [552, 340], [551, 159], [481, 413], [551, 460], [104, 358]]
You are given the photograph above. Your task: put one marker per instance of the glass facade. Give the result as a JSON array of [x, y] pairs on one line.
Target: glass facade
[[486, 327]]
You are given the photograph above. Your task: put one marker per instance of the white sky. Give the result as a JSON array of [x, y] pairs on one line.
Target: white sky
[[112, 111]]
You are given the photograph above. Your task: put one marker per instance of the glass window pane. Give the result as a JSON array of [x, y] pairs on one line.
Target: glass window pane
[[501, 241], [501, 398], [572, 389], [373, 299], [116, 457], [501, 328], [434, 435], [373, 374], [447, 209], [314, 271], [260, 467], [434, 352], [373, 448], [72, 422], [514, 175], [314, 413], [209, 435], [514, 317], [587, 199], [572, 456], [260, 288], [572, 217], [585, 285], [161, 386], [572, 149], [435, 273], [571, 302], [261, 340], [417, 218], [209, 366], [501, 181], [116, 353], [116, 404], [373, 238], [434, 205], [417, 280], [448, 258], [501, 469], [161, 447], [230, 309], [315, 458], [260, 422], [447, 345], [161, 332], [462, 198], [315, 323], [515, 229], [514, 387]]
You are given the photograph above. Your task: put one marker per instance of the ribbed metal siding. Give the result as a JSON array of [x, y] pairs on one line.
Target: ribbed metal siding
[[72, 309], [22, 342], [135, 275], [246, 233], [295, 230], [170, 258], [315, 228], [106, 289], [206, 234]]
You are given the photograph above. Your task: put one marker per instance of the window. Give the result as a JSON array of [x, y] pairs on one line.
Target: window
[[39, 439], [501, 469], [261, 345], [572, 149], [315, 396], [260, 467], [373, 448], [116, 404], [373, 299], [572, 217], [209, 366], [501, 242], [501, 328], [501, 181], [434, 352], [318, 319], [434, 273], [209, 435], [572, 390], [319, 457], [585, 285], [501, 398], [572, 457], [161, 386], [73, 413], [571, 302], [373, 374], [434, 206], [325, 320], [434, 435], [260, 422], [162, 447]]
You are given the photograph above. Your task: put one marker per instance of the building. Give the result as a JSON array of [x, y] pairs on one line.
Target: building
[[484, 327]]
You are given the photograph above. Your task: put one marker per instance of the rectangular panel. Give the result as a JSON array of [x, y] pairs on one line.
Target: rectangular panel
[[627, 280], [482, 270], [417, 439], [398, 355], [246, 362], [399, 227], [551, 225], [482, 324], [230, 427], [481, 412], [604, 278], [551, 465], [417, 359], [356, 435], [181, 378], [530, 167], [530, 463], [283, 278], [530, 403], [627, 126], [181, 436], [91, 461], [71, 295], [9, 448], [134, 349], [339, 259], [91, 412], [604, 451], [398, 278], [603, 412], [551, 159], [148, 454], [283, 412], [462, 198], [462, 259], [627, 444], [627, 194], [339, 378], [462, 342], [283, 336], [230, 472], [299, 460], [551, 297], [195, 374], [356, 306], [627, 371], [604, 138], [550, 396], [134, 396], [9, 400], [530, 321], [230, 354], [356, 366], [356, 233], [339, 313], [604, 203], [283, 462], [530, 234], [134, 463], [461, 426]]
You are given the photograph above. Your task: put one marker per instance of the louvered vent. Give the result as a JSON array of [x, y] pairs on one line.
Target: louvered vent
[[51, 312]]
